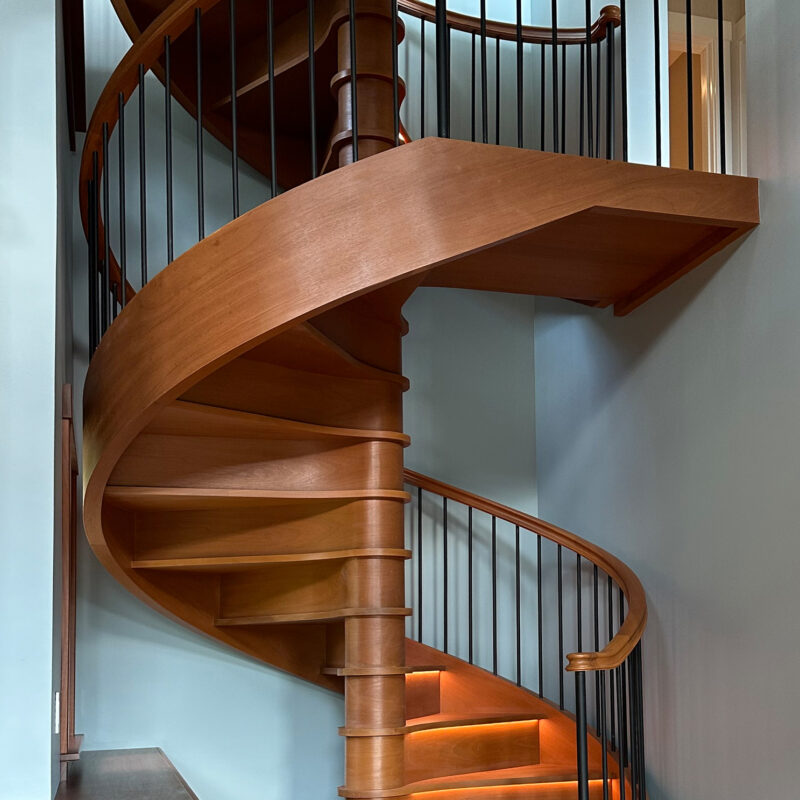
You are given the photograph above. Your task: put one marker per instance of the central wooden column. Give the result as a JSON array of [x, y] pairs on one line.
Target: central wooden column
[[373, 82], [374, 640]]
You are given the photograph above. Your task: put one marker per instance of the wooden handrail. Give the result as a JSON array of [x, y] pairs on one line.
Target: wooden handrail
[[508, 30], [631, 630]]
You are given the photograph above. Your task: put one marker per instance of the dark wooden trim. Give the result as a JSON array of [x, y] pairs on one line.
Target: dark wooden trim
[[74, 67], [70, 744]]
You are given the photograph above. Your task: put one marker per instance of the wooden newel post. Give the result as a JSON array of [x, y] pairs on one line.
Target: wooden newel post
[[373, 82]]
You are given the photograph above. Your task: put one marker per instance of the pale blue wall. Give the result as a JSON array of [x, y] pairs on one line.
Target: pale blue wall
[[672, 438], [28, 244]]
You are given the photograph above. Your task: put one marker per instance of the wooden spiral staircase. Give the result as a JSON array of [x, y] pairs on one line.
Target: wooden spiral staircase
[[243, 436]]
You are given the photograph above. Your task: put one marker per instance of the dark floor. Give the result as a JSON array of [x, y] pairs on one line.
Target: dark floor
[[144, 774]]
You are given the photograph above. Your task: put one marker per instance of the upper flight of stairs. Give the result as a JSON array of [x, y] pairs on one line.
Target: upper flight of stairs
[[243, 438]]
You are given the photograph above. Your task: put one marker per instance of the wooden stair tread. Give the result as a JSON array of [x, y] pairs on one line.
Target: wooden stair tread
[[343, 672], [312, 616], [445, 720], [306, 347], [186, 418], [172, 498], [225, 563], [512, 776]]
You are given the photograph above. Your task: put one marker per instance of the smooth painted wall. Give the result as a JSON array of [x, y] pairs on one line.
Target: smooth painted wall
[[469, 411], [28, 278], [672, 438]]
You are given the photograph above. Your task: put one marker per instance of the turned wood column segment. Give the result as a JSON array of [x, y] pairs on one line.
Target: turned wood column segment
[[373, 84], [374, 647]]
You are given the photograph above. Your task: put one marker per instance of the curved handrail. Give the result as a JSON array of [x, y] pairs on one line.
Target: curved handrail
[[631, 630], [609, 15]]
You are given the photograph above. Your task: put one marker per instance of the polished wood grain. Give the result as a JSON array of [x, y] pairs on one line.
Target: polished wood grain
[[630, 632], [140, 774]]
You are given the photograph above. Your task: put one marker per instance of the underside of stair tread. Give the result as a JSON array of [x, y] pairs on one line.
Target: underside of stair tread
[[185, 418], [230, 563], [408, 670], [513, 776], [311, 616], [173, 498], [306, 347], [473, 717], [447, 720]]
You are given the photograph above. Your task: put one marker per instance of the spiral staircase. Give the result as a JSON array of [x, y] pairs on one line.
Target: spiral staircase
[[243, 436]]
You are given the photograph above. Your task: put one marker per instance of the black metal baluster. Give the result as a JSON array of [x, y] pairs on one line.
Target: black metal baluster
[[422, 79], [721, 86], [597, 101], [123, 247], [596, 642], [520, 120], [96, 247], [622, 691], [353, 78], [494, 595], [640, 715], [623, 62], [395, 78], [469, 581], [312, 77], [419, 564], [542, 101], [582, 733], [497, 91], [554, 56], [168, 145], [620, 723], [560, 633], [234, 114], [689, 84], [91, 194], [518, 598], [589, 105], [604, 733], [142, 177], [106, 281], [484, 88], [563, 98], [612, 693], [114, 290], [444, 569], [657, 47], [201, 205], [273, 146], [633, 735], [579, 602], [442, 59], [610, 82], [539, 611], [472, 92], [582, 92]]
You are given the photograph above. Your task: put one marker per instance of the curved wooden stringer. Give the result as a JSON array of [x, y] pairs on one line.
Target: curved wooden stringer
[[243, 437]]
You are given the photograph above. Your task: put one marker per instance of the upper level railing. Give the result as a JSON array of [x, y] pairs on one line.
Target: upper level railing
[[265, 98], [512, 593]]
